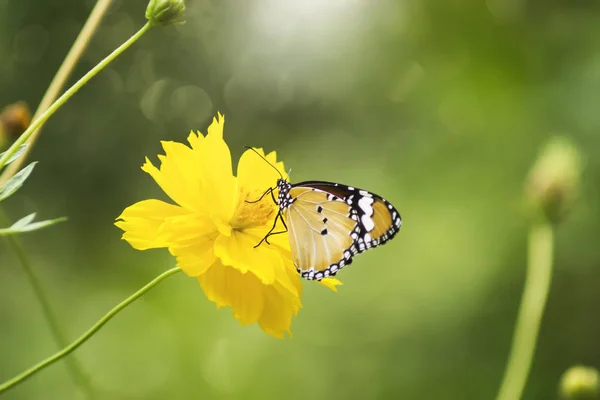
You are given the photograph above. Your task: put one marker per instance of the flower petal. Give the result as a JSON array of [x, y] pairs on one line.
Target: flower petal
[[280, 242], [183, 171], [289, 279], [218, 184], [227, 286], [277, 313], [186, 230], [238, 251], [255, 174], [197, 258], [199, 178], [178, 176], [288, 276], [215, 129], [194, 139], [143, 223], [330, 283]]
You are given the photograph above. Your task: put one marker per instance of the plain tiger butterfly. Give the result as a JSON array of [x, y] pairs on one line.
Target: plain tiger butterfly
[[329, 223]]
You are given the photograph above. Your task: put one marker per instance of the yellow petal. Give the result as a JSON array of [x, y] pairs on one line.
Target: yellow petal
[[218, 183], [143, 223], [288, 276], [255, 174], [186, 230], [194, 139], [227, 286], [291, 281], [280, 242], [197, 258], [331, 283], [183, 170], [238, 252], [169, 181], [277, 313], [215, 129]]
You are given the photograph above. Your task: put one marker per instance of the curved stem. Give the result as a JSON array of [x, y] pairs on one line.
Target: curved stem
[[533, 302], [70, 92], [64, 71], [59, 80], [75, 369], [83, 338]]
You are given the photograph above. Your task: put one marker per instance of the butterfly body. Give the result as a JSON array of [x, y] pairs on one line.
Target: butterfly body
[[329, 223]]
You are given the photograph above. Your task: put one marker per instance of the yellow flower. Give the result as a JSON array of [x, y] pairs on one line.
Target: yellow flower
[[214, 228]]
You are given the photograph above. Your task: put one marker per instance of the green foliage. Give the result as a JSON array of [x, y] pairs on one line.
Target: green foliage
[[16, 155], [15, 182], [26, 224], [11, 186]]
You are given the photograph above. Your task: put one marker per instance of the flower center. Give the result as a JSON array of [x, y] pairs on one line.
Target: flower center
[[250, 213]]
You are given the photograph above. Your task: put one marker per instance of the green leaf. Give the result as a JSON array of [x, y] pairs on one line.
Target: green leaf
[[17, 154], [24, 221], [14, 183], [26, 224]]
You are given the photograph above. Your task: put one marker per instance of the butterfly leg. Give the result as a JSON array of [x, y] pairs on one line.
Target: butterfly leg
[[269, 191], [271, 233], [266, 238]]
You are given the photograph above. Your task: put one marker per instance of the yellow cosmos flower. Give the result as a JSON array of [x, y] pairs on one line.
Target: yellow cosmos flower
[[213, 228]]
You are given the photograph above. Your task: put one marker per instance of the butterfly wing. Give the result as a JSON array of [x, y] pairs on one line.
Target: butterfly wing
[[329, 223]]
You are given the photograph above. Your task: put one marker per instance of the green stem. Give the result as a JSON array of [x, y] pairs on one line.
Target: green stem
[[59, 80], [73, 366], [64, 71], [70, 92], [75, 369], [83, 338], [533, 302]]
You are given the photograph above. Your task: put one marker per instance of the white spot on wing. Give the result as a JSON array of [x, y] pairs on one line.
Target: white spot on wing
[[365, 204], [368, 223]]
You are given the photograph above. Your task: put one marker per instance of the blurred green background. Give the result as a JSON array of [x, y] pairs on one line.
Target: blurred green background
[[440, 106]]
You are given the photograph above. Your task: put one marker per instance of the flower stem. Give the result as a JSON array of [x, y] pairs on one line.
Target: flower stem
[[75, 369], [59, 80], [83, 338], [70, 92], [533, 302], [73, 366]]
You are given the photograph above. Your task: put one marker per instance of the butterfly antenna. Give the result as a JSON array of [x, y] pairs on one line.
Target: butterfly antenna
[[288, 174], [267, 161]]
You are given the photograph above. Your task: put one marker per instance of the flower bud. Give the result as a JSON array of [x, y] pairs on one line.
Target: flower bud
[[14, 119], [553, 183], [165, 12], [580, 383]]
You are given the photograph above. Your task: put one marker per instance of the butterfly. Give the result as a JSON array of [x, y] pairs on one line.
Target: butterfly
[[329, 223]]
